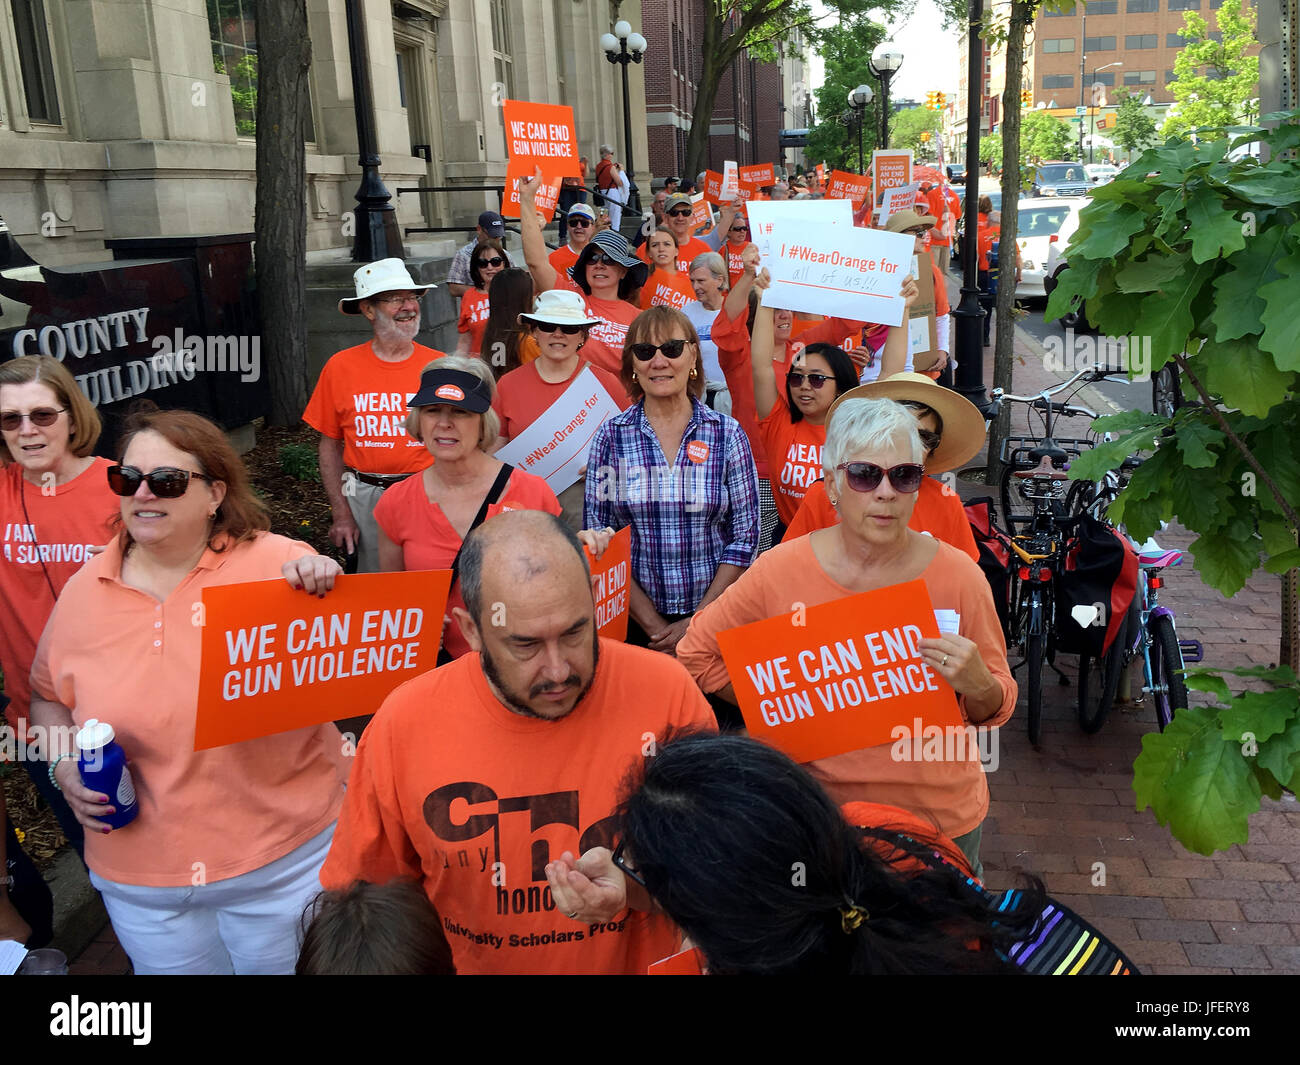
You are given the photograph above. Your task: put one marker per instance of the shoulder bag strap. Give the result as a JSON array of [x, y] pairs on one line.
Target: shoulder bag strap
[[494, 493]]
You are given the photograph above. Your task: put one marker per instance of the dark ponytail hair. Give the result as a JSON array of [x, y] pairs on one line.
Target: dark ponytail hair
[[842, 369], [757, 865]]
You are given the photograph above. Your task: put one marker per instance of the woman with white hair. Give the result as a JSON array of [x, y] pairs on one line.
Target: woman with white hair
[[423, 520], [873, 463]]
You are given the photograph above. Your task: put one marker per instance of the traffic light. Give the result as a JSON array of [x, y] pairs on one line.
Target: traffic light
[[1026, 98], [925, 136], [939, 100], [929, 100]]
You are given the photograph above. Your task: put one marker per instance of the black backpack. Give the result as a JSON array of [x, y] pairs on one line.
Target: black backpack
[[1101, 570], [994, 560]]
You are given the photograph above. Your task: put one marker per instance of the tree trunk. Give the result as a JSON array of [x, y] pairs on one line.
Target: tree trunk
[[1022, 15], [715, 65], [284, 56]]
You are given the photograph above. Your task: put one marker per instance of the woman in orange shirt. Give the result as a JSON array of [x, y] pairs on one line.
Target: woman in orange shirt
[[952, 430], [213, 874], [58, 509], [666, 286], [872, 460], [487, 260]]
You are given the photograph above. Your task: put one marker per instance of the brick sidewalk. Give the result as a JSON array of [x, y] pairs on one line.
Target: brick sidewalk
[[1061, 810]]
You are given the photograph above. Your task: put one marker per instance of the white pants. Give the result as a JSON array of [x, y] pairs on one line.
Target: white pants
[[615, 209], [247, 925]]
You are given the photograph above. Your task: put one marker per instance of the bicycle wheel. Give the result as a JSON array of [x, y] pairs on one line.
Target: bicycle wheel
[[1168, 691], [1079, 498], [1099, 680]]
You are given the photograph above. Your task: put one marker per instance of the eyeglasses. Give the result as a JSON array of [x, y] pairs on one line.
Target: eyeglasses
[[551, 327], [42, 416], [399, 298], [671, 349], [740, 229], [496, 260], [917, 231], [620, 861], [866, 476], [681, 212], [598, 257], [166, 482], [815, 380], [579, 220]]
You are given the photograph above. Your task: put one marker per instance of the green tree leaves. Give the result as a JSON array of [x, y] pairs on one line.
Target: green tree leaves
[[1216, 82]]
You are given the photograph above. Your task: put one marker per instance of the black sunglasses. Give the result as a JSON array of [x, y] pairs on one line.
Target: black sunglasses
[[580, 220], [671, 349], [598, 257], [740, 229], [165, 482], [681, 212], [496, 260], [42, 416], [866, 476], [815, 380], [620, 861], [551, 327]]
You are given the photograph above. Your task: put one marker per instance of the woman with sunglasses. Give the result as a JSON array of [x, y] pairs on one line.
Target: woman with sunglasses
[[952, 430], [57, 511], [879, 891], [605, 274], [666, 286], [793, 406], [872, 460], [560, 327], [681, 475], [730, 238], [487, 260], [214, 872]]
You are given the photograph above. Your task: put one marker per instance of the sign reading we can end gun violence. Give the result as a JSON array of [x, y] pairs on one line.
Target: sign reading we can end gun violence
[[275, 659], [611, 586], [842, 680]]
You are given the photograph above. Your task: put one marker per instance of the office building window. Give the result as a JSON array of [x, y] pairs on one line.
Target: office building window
[[1098, 44], [1105, 77], [1184, 5], [1137, 7], [1137, 41], [1058, 81], [1059, 44], [1174, 40], [35, 61], [1103, 7], [232, 27], [1139, 77], [1170, 77], [502, 54]]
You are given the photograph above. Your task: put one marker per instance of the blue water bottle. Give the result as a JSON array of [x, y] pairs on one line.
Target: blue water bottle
[[103, 768]]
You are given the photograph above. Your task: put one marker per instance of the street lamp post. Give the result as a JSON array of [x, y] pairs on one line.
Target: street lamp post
[[885, 61], [624, 47], [1092, 119], [858, 100], [375, 233]]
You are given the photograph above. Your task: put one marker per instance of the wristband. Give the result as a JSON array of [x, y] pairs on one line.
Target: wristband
[[55, 765]]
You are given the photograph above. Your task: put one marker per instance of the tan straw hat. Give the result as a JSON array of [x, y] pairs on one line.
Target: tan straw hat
[[963, 424]]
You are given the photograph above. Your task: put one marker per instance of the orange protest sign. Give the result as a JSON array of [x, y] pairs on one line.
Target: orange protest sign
[[548, 192], [758, 175], [713, 187], [846, 186], [275, 659], [820, 168], [839, 676], [701, 212], [611, 574], [890, 169], [542, 134]]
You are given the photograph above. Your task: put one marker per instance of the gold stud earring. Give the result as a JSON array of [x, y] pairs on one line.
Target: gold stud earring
[[694, 372]]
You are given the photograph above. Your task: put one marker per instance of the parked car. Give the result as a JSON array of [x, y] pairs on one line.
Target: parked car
[[1060, 179], [956, 173], [1042, 226], [1101, 173]]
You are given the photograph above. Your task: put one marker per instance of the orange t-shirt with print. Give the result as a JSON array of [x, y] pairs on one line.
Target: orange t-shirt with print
[[735, 261], [663, 289], [115, 653], [361, 400], [937, 512], [604, 347], [473, 318], [428, 541], [794, 455], [953, 794], [523, 397], [44, 534], [472, 800], [562, 258]]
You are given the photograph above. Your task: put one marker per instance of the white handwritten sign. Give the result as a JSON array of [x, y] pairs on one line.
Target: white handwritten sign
[[837, 270], [765, 214], [898, 199], [555, 446]]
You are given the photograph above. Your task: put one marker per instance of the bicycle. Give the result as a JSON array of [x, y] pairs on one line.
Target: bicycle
[[1148, 628]]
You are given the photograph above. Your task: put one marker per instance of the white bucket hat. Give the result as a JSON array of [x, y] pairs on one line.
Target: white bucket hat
[[385, 275], [559, 306]]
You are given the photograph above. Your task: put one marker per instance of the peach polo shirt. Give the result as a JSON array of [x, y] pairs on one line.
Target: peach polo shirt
[[116, 653]]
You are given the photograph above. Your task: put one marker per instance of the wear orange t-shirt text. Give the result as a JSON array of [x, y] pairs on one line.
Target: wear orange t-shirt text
[[794, 456]]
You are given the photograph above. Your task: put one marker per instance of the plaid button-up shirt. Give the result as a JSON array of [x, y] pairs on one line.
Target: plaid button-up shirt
[[687, 518]]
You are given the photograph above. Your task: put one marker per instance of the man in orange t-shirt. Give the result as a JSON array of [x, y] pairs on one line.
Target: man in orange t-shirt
[[359, 407], [678, 209], [476, 778]]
